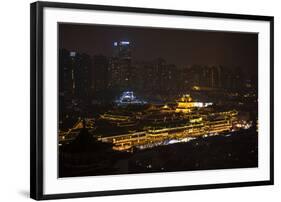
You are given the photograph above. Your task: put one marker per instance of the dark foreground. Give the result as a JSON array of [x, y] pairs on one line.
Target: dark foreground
[[232, 150]]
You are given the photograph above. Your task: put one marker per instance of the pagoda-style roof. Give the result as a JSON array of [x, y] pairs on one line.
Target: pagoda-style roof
[[186, 98]]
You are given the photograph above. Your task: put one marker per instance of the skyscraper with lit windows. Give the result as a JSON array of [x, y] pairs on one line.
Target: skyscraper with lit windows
[[120, 67]]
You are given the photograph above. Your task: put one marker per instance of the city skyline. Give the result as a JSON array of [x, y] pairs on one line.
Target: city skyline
[[230, 49]]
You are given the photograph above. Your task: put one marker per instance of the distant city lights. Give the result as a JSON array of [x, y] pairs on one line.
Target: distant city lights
[[72, 54], [124, 42], [121, 43]]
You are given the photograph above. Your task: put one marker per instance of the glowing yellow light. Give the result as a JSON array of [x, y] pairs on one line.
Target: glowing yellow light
[[196, 88]]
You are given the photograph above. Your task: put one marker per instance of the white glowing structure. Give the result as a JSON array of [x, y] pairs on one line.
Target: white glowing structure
[[128, 97]]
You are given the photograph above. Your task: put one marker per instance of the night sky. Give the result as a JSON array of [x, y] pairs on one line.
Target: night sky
[[176, 46]]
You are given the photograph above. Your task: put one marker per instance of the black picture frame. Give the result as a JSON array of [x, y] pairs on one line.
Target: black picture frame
[[36, 98]]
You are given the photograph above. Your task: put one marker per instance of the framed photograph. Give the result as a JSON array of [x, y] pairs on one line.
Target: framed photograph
[[134, 100]]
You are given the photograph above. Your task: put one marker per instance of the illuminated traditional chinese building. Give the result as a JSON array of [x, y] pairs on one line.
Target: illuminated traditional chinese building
[[186, 104]]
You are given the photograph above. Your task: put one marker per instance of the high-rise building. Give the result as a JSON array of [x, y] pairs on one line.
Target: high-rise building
[[204, 76], [74, 85], [156, 79], [120, 67], [122, 50], [233, 79], [74, 75], [99, 72], [211, 76]]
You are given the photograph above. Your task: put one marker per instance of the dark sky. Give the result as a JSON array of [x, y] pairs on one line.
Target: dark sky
[[176, 46]]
